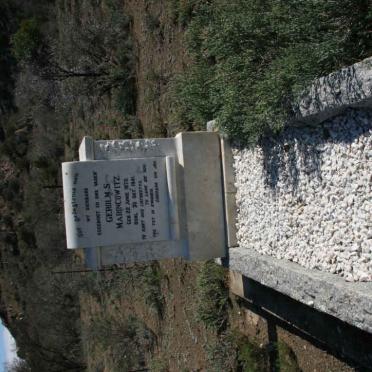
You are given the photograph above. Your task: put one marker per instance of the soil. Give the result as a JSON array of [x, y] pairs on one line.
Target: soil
[[308, 356], [160, 52]]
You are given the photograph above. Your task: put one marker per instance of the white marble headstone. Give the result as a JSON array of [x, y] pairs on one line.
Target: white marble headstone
[[116, 201]]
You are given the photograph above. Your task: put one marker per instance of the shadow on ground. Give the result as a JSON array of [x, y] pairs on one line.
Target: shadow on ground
[[345, 342]]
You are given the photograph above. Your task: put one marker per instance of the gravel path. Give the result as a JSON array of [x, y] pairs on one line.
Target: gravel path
[[305, 196]]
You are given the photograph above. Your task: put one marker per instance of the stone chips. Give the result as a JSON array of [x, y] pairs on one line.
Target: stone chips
[[305, 196]]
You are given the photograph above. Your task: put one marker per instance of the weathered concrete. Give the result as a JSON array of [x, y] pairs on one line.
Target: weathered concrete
[[229, 190], [324, 331], [350, 302], [350, 87]]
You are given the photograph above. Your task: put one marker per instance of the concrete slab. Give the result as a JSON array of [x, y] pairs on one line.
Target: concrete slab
[[229, 192], [200, 158]]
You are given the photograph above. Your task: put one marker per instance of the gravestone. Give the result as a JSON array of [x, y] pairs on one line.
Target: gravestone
[[146, 199], [117, 201]]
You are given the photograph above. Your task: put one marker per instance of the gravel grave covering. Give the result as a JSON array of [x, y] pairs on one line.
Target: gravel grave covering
[[305, 195]]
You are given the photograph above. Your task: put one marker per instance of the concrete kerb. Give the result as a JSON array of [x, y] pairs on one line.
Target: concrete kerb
[[229, 189], [349, 302], [350, 87]]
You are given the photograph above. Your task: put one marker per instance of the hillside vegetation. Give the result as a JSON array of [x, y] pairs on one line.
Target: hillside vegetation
[[63, 60], [252, 58], [119, 69]]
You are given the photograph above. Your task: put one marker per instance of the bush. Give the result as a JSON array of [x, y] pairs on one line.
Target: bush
[[181, 11], [122, 343], [222, 353], [252, 58], [27, 41], [232, 351], [151, 278], [287, 360], [213, 296], [158, 365], [252, 358]]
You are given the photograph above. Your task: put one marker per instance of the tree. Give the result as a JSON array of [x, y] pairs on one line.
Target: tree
[[98, 53], [7, 62]]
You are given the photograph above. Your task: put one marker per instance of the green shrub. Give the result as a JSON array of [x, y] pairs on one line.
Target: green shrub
[[152, 22], [123, 342], [252, 358], [222, 353], [125, 99], [252, 58], [213, 296], [158, 365], [233, 351], [181, 11], [27, 41], [151, 279], [287, 360]]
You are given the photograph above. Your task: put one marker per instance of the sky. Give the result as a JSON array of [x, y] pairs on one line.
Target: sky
[[7, 347]]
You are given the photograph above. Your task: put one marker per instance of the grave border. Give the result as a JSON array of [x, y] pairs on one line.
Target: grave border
[[350, 87]]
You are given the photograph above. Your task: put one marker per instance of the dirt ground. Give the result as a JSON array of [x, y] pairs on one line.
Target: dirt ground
[[181, 341], [180, 338], [160, 52], [308, 356]]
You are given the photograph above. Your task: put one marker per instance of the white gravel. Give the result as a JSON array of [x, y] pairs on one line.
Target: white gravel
[[305, 196]]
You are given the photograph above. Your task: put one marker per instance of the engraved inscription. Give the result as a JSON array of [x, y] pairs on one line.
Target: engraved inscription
[[118, 201]]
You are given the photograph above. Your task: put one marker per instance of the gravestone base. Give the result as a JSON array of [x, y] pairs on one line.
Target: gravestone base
[[191, 189]]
